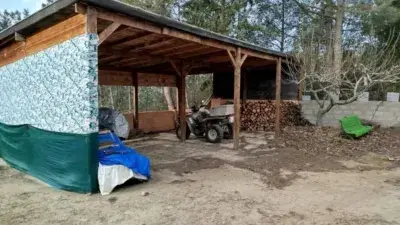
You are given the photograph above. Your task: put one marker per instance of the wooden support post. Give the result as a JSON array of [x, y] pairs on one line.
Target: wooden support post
[[237, 63], [278, 98], [182, 71], [136, 84], [91, 20], [244, 86], [182, 105]]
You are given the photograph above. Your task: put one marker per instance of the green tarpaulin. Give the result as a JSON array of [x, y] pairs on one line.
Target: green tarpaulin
[[65, 161]]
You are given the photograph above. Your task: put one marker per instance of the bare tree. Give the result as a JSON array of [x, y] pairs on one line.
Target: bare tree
[[361, 67], [168, 98]]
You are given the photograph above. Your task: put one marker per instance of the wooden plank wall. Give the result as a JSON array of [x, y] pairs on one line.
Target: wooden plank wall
[[153, 121], [120, 78], [44, 39], [115, 78]]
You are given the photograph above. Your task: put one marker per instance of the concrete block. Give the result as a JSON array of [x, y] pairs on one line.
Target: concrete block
[[392, 97], [363, 97], [337, 112], [394, 113], [391, 104], [308, 111], [394, 110], [306, 98], [377, 114], [366, 113]]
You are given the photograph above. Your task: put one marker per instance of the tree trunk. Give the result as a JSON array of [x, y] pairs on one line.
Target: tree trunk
[[282, 47], [187, 101], [322, 111], [337, 44], [111, 98], [167, 95], [320, 116]]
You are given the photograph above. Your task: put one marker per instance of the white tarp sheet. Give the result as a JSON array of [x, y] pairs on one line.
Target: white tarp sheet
[[111, 176]]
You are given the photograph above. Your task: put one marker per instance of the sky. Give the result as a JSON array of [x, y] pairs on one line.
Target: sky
[[31, 5]]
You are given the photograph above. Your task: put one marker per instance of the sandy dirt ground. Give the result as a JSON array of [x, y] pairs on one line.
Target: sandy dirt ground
[[200, 183]]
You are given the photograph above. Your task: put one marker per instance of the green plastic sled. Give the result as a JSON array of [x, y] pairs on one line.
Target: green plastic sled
[[352, 126]]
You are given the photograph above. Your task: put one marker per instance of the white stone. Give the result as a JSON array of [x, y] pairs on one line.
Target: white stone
[[392, 97], [306, 98]]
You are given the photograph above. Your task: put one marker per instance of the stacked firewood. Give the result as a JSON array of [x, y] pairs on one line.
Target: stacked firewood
[[260, 115]]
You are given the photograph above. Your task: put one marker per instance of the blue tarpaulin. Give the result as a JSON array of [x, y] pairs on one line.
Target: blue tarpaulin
[[120, 154]]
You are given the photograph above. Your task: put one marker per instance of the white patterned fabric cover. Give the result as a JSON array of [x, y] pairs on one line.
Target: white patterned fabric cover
[[55, 89]]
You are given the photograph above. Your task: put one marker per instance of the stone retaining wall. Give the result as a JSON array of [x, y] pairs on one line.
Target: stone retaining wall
[[387, 114]]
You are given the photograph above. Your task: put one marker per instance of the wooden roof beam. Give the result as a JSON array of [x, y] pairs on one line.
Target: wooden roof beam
[[108, 31], [151, 45], [150, 62], [109, 50], [134, 56], [177, 34], [131, 61], [174, 48], [133, 40], [126, 53], [200, 53], [189, 50], [164, 30]]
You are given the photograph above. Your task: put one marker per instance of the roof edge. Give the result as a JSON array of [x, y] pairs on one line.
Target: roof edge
[[36, 17], [133, 11]]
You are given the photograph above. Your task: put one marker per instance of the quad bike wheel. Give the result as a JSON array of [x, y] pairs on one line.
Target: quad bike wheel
[[214, 134], [228, 131], [178, 132]]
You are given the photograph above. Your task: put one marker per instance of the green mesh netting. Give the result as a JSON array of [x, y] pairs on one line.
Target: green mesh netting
[[65, 161]]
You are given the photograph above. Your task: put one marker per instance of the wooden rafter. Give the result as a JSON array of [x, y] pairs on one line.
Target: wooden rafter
[[108, 31], [154, 45], [133, 56], [174, 48], [165, 31], [150, 62], [135, 40], [130, 55], [200, 53], [127, 38], [136, 61], [130, 61], [135, 52], [206, 57], [189, 50], [168, 32], [123, 31], [109, 58]]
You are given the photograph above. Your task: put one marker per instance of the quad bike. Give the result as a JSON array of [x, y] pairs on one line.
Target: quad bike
[[201, 123]]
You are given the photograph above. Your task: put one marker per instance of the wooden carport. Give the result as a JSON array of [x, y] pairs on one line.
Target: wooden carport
[[134, 43]]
